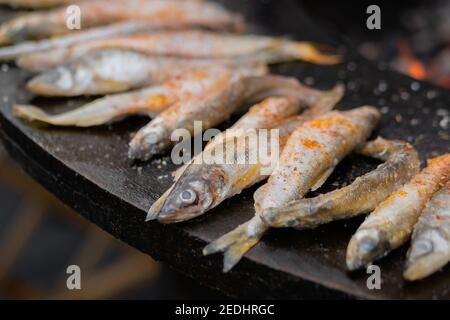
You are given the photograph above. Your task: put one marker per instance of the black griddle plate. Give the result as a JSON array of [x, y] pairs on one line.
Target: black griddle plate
[[88, 169]]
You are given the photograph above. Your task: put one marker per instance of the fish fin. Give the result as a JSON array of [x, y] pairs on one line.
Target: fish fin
[[322, 178], [31, 113], [326, 102], [237, 242], [154, 210], [311, 52]]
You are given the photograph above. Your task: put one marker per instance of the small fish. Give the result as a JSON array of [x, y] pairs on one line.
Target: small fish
[[113, 70], [149, 101], [34, 4], [430, 244], [392, 222], [229, 92], [362, 196], [188, 44], [214, 180], [309, 157], [161, 13]]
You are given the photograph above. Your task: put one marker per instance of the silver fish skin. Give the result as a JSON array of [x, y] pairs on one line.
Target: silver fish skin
[[309, 157], [228, 94], [161, 13], [392, 222], [111, 71], [188, 44], [430, 244], [148, 101], [401, 162]]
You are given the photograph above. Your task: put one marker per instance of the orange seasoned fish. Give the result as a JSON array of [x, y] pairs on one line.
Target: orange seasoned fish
[[309, 157], [392, 222], [148, 101]]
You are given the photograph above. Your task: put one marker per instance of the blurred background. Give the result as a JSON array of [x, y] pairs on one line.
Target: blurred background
[[40, 237]]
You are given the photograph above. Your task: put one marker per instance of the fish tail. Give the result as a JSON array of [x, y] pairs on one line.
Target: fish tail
[[294, 215], [327, 101], [237, 242], [32, 113], [311, 52]]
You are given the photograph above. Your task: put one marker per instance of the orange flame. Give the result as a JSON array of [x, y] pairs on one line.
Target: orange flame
[[409, 64]]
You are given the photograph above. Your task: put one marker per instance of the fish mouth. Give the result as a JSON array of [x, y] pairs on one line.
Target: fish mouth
[[146, 145], [427, 255], [177, 217], [368, 246], [167, 215], [171, 210]]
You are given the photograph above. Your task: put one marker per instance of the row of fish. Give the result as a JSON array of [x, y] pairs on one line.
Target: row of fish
[[211, 95], [94, 13], [180, 75], [129, 62]]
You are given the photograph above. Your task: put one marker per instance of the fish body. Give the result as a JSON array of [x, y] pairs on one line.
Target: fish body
[[392, 222], [309, 156], [148, 101], [188, 44], [111, 71], [362, 196], [161, 13], [430, 243]]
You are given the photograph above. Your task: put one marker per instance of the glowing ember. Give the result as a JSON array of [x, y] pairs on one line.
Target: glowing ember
[[408, 64]]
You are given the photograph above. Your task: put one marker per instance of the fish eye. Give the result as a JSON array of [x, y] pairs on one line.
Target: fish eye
[[188, 196]]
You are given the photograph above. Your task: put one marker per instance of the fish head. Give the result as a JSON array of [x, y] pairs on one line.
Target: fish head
[[63, 81], [366, 246], [193, 195], [428, 252]]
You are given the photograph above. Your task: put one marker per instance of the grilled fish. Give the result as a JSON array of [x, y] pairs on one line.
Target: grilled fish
[[214, 180], [113, 70], [228, 93], [362, 196], [148, 101], [188, 44], [430, 244], [161, 13], [392, 222], [309, 157]]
